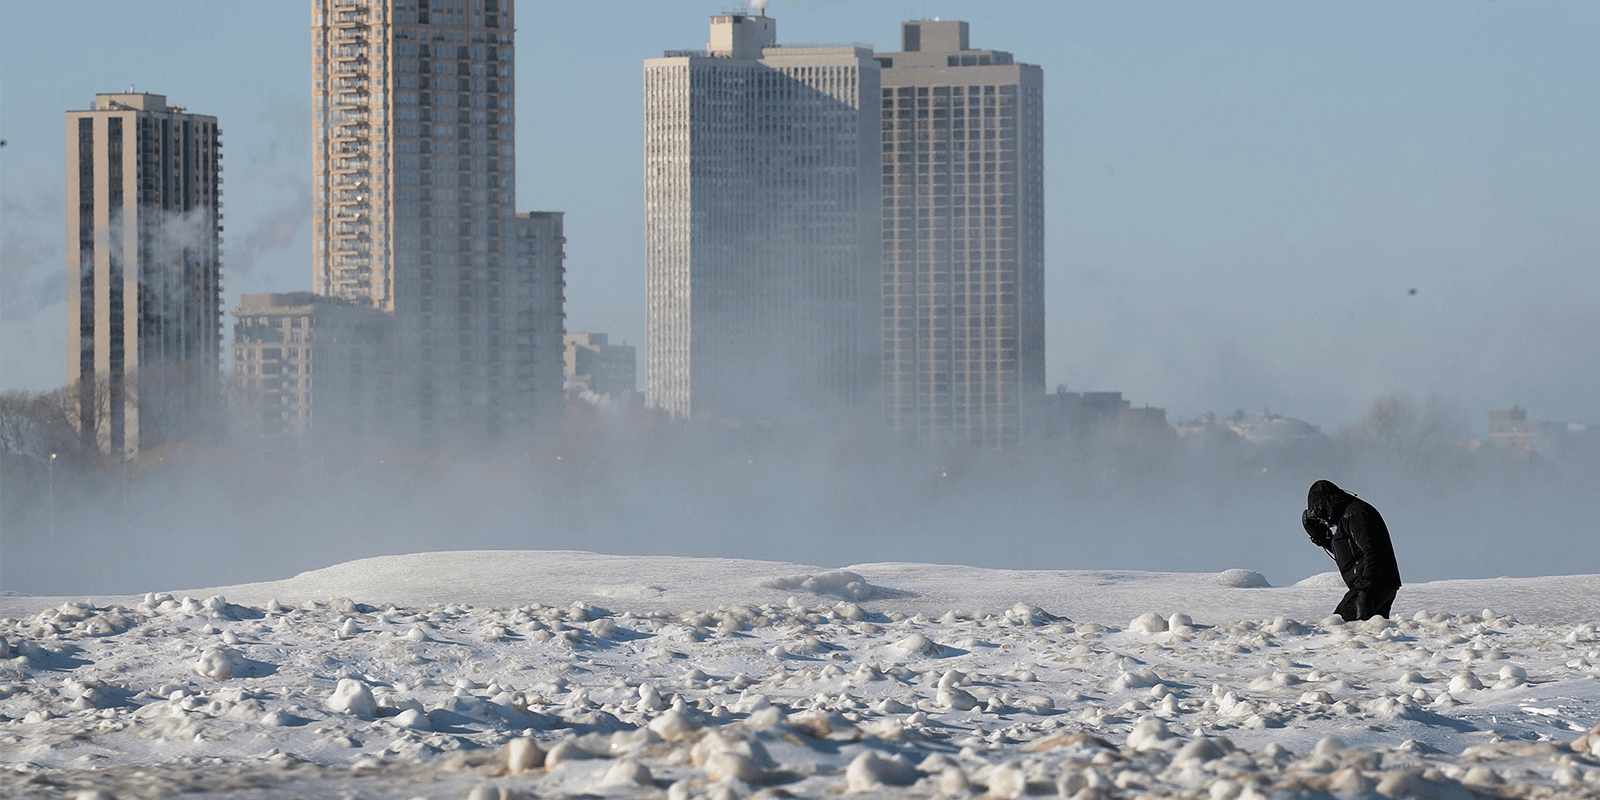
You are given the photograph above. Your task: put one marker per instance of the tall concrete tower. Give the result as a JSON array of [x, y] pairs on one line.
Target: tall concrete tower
[[414, 170], [144, 234], [963, 239], [761, 225]]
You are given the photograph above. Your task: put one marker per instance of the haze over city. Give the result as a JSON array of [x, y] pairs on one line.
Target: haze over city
[[1238, 198], [502, 399], [1279, 244]]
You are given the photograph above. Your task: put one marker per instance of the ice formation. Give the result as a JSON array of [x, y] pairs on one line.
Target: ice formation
[[893, 680]]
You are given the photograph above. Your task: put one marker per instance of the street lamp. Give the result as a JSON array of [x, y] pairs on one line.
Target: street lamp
[[52, 494]]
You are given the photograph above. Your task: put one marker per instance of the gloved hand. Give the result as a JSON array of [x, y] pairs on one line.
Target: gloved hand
[[1363, 608], [1318, 530]]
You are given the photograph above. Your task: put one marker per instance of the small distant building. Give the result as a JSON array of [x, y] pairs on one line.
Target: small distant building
[[305, 363], [1508, 429], [596, 365], [1511, 430], [1261, 429], [1082, 415], [1273, 430]]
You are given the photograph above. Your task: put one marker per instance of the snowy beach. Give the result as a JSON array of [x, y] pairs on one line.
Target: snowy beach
[[555, 673]]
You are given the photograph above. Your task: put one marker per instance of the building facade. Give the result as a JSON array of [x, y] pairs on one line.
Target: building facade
[[144, 238], [761, 233], [414, 170], [963, 239], [533, 310], [308, 364], [595, 365]]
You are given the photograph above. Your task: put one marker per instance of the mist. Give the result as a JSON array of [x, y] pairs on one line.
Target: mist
[[620, 481]]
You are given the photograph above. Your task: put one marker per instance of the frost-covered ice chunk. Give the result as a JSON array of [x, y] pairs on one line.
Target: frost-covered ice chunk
[[414, 719], [1151, 733], [626, 772], [1148, 622], [1324, 580], [870, 770], [839, 582], [218, 662], [1008, 782], [950, 695], [1135, 679], [564, 751], [725, 755], [352, 697], [1464, 681], [919, 644], [672, 725], [1203, 750], [522, 755], [1243, 579]]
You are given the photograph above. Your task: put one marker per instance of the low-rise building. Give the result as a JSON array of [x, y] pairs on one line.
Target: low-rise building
[[1511, 430], [1081, 415], [596, 365], [306, 363]]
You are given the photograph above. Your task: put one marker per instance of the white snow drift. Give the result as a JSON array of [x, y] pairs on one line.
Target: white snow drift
[[491, 675]]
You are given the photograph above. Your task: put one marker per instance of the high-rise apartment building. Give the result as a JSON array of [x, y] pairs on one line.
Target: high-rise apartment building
[[144, 235], [413, 104], [537, 298], [761, 225], [963, 239]]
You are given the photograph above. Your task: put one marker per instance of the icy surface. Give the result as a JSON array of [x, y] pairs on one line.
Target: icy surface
[[551, 674]]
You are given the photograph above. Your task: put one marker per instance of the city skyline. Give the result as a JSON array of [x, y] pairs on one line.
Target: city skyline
[[1212, 177]]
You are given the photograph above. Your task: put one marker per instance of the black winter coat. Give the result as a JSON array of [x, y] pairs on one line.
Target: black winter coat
[[1361, 543]]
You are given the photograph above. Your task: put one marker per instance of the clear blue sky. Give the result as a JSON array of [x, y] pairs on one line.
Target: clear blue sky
[[1238, 195]]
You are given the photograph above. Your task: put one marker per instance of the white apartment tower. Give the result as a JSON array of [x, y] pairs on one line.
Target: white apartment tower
[[761, 225], [414, 177], [144, 236], [963, 239]]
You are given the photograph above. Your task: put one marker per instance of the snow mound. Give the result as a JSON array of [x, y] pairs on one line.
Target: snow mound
[[1148, 622], [489, 685], [1243, 579], [218, 662], [1326, 580], [839, 583], [629, 592], [352, 697]]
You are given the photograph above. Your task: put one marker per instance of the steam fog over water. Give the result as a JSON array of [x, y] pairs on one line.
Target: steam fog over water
[[636, 486], [1279, 207]]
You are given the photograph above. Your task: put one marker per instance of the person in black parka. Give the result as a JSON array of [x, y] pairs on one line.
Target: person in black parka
[[1352, 531]]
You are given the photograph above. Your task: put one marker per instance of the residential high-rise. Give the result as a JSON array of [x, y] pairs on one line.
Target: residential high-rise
[[537, 298], [144, 237], [761, 225], [415, 184], [963, 239]]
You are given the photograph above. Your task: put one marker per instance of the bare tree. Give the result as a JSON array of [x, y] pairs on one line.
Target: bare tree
[[1422, 441], [37, 424]]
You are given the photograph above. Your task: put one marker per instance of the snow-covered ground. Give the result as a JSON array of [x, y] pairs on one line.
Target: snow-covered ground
[[550, 674]]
